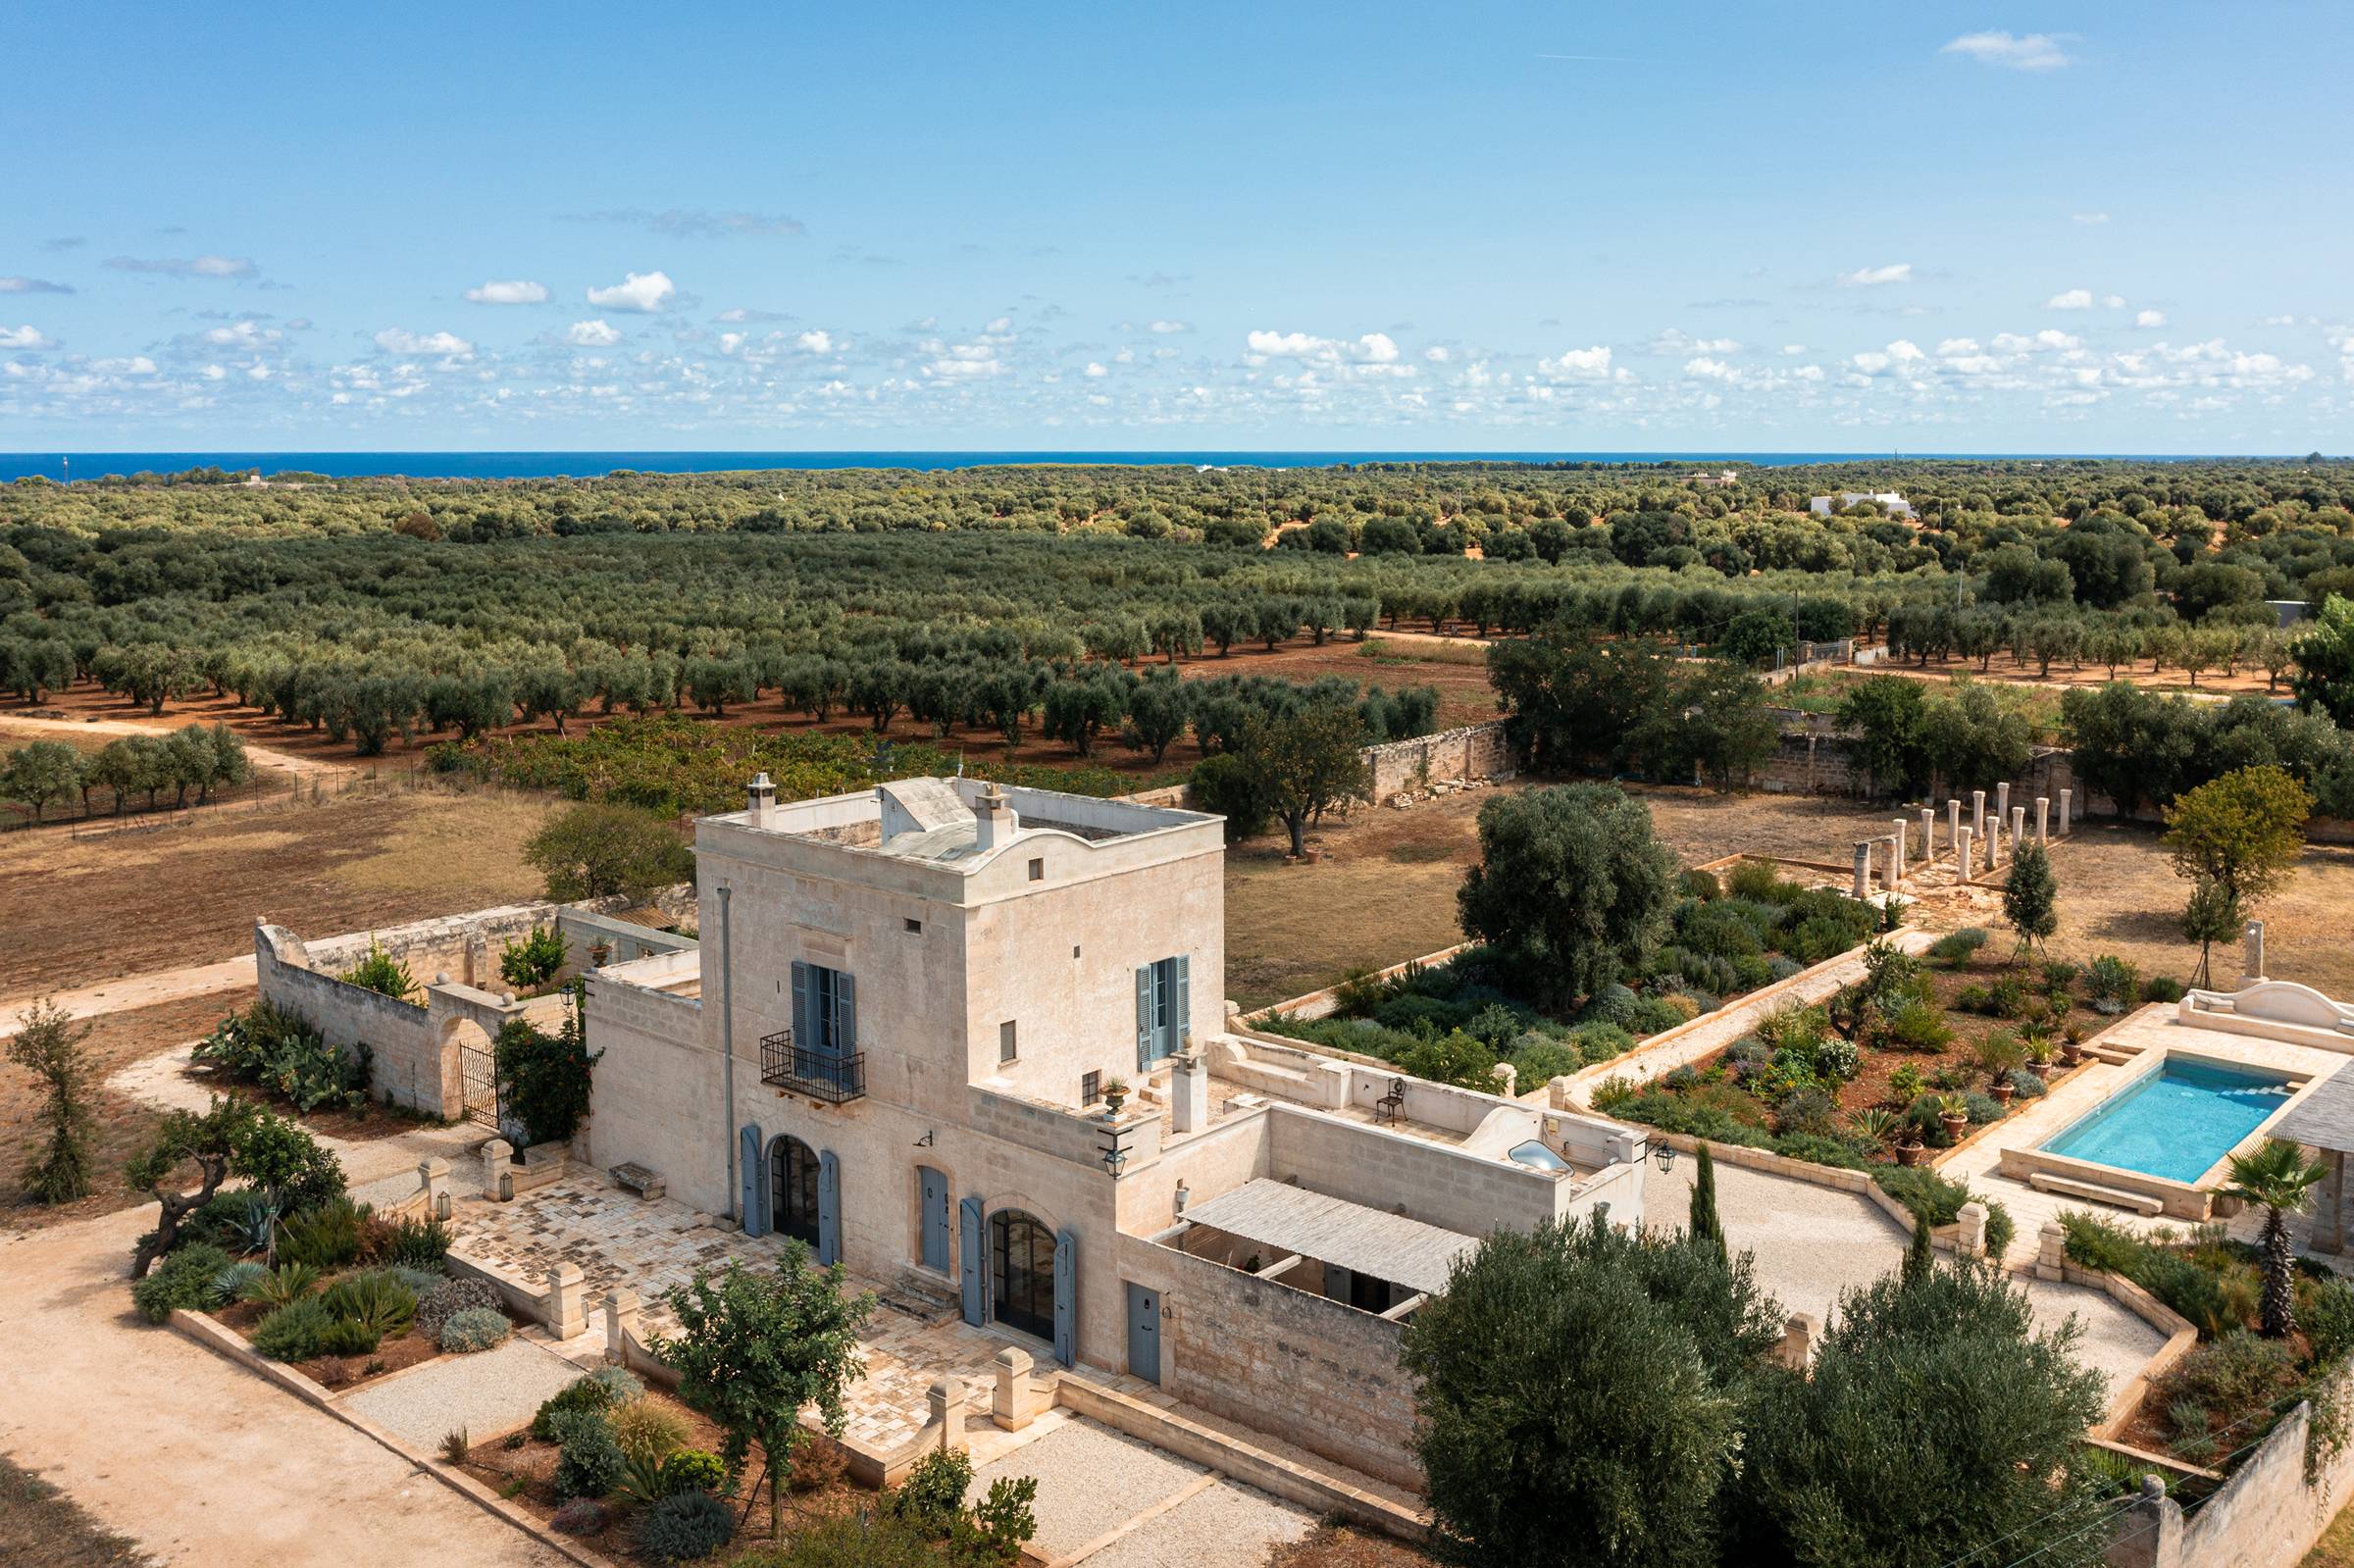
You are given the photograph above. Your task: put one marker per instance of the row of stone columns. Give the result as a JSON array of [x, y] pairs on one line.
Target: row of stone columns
[[1976, 847]]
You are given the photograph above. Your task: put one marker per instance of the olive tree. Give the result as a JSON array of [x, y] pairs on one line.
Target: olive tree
[[1572, 888]]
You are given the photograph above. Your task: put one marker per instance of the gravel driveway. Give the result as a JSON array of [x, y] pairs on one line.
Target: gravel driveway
[[487, 1392]]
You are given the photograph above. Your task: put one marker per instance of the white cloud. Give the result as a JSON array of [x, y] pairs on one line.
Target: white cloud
[[1871, 276], [1953, 346], [1171, 326], [1871, 362], [1904, 352], [592, 335], [817, 340], [32, 286], [180, 267], [24, 337], [1378, 347], [398, 341], [1794, 348], [1710, 369], [1676, 341], [1436, 354], [2033, 51], [2150, 317], [1373, 354], [242, 334], [1094, 370], [514, 291], [1582, 362], [640, 291], [2070, 299], [2087, 217], [2113, 301]]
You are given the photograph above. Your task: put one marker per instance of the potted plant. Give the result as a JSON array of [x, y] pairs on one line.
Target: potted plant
[[2000, 1092], [2039, 1057], [2071, 1045], [1115, 1095], [1909, 1147], [1953, 1113]]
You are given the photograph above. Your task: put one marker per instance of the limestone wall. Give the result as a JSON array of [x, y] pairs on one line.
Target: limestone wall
[[1313, 1372], [1475, 751], [406, 1064], [2267, 1515], [465, 947], [1430, 1182]]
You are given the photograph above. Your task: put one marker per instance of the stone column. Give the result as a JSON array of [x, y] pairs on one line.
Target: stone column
[[621, 1324], [2065, 824], [1896, 866], [1977, 812], [1862, 886], [2329, 1207], [567, 1307], [1011, 1402], [1798, 1341], [2018, 828], [1961, 865], [1928, 834], [943, 1407], [2043, 819], [1970, 1239], [1952, 822], [2251, 955], [2051, 1250], [496, 1155], [1507, 1080], [1189, 1093], [2148, 1533], [433, 1179], [2002, 800]]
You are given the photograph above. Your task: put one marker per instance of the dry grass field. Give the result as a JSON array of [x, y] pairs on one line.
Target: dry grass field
[[80, 911]]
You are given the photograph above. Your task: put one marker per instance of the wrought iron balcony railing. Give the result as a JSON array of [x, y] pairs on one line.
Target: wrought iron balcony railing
[[830, 1075]]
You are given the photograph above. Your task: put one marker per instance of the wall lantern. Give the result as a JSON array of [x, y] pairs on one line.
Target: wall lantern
[[1665, 1153]]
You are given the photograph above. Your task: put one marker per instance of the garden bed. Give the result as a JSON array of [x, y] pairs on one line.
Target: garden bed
[[1456, 1022]]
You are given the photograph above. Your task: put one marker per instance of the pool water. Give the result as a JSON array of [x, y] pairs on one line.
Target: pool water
[[2177, 1122]]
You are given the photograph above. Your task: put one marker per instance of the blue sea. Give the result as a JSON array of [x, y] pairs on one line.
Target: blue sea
[[590, 465]]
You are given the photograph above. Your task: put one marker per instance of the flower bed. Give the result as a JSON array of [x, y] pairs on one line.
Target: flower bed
[[1456, 1021], [1908, 1059]]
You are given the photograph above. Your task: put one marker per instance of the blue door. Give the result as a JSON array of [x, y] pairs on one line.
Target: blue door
[[1144, 1332], [973, 1258], [753, 1211], [932, 1210], [1066, 1297], [829, 1209]]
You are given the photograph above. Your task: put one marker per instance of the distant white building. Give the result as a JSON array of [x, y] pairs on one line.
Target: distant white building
[[1891, 502]]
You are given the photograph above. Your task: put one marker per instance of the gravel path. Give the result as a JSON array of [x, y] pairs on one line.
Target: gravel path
[[487, 1394], [1090, 1481], [1229, 1523]]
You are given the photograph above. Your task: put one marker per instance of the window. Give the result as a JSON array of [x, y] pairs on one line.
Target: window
[[824, 1012], [1037, 870], [1091, 1087], [1005, 1041], [1022, 1261], [914, 927], [1162, 1001]]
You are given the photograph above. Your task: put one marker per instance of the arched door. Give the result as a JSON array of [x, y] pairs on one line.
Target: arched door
[[793, 1195], [1021, 1255]]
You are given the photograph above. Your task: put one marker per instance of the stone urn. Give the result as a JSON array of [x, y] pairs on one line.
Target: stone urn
[[1910, 1153], [1956, 1123], [1115, 1095], [2001, 1093]]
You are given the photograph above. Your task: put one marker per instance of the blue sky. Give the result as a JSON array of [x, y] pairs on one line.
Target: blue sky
[[2040, 227]]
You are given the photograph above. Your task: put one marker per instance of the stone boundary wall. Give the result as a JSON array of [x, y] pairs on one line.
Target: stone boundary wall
[[406, 1063], [1475, 751], [2267, 1515], [1310, 1371]]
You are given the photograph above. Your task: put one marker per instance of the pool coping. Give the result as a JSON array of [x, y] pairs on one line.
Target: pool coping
[[2192, 1200]]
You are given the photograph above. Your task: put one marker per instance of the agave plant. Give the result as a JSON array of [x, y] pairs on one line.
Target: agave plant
[[1873, 1123], [254, 1228], [232, 1282], [289, 1281], [373, 1300]]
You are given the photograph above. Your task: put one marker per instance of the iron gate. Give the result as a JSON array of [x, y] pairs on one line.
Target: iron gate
[[477, 1065]]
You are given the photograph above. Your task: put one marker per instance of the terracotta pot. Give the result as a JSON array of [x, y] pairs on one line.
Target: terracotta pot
[[2046, 1070], [2001, 1093], [1909, 1153], [1955, 1126], [2071, 1053]]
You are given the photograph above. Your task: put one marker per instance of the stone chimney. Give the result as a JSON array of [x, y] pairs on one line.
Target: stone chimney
[[995, 821], [762, 806]]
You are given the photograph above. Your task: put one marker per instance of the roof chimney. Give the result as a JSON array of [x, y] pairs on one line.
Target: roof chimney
[[995, 821], [762, 807]]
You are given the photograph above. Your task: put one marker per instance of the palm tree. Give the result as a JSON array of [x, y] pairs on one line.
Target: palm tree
[[2281, 1177]]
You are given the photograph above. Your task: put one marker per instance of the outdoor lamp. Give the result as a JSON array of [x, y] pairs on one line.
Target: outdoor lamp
[[1665, 1153]]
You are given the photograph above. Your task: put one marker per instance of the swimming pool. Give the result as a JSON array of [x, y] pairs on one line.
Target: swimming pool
[[2177, 1122]]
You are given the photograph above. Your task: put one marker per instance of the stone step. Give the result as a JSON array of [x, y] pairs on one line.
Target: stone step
[[2092, 1192]]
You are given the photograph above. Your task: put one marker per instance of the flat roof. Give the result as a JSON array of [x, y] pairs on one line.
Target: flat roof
[[1332, 1230], [2324, 1118]]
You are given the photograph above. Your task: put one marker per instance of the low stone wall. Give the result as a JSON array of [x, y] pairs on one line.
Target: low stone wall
[[406, 1062], [1475, 751], [2267, 1515], [1310, 1371]]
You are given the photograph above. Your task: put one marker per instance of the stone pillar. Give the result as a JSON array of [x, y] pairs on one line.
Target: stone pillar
[[2043, 819], [1011, 1404], [433, 1180], [943, 1407], [1507, 1080], [1896, 866], [2051, 1250], [1952, 822], [1970, 1239], [621, 1324], [1189, 1093], [2148, 1533], [1977, 812], [2065, 824], [567, 1303], [2018, 828], [1994, 842], [1798, 1341], [2002, 799], [2251, 956], [496, 1155], [2329, 1206], [1863, 888], [1961, 865], [1928, 834]]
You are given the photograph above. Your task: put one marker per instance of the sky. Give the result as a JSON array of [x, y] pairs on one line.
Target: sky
[[2020, 226]]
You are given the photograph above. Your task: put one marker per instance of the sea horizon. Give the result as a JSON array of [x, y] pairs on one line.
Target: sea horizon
[[596, 462]]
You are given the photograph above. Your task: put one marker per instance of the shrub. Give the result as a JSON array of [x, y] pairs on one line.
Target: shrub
[[231, 1283], [1780, 967], [1613, 1004], [934, 1491], [1981, 1108], [2112, 983], [1755, 879], [1807, 1112], [349, 1337], [1956, 947], [2001, 1053], [582, 1516], [1652, 1014], [1837, 1058], [375, 1300], [2231, 1375], [647, 1429], [589, 1460], [1543, 1057], [2325, 1312], [693, 1470], [438, 1306], [1925, 1194], [185, 1280], [2095, 1241], [475, 1328], [2162, 988], [598, 1392], [289, 1281], [2025, 1084], [686, 1527], [281, 1053], [1906, 1083], [530, 964], [293, 1331], [419, 1282], [1702, 885], [414, 1241], [326, 1236], [1919, 1026], [545, 1078], [1796, 1028], [1823, 1149], [2001, 1230]]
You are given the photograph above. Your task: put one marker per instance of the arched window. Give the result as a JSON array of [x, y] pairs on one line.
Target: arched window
[[793, 1190], [1021, 1255]]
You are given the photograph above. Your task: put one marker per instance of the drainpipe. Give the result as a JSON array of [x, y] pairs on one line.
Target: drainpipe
[[727, 1040]]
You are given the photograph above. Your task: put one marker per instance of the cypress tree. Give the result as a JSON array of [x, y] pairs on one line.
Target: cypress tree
[[1921, 1257], [1703, 1224]]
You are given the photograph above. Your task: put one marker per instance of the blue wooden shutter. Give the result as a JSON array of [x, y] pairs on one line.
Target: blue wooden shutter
[[1143, 1017], [1181, 1013], [829, 1209], [800, 1005], [845, 1014], [972, 1258], [1067, 1296], [751, 1212]]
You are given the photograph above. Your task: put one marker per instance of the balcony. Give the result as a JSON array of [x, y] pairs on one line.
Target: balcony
[[821, 1074]]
